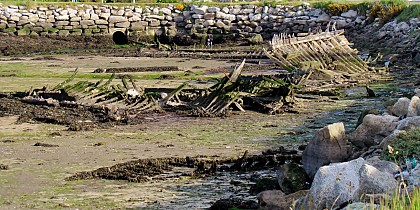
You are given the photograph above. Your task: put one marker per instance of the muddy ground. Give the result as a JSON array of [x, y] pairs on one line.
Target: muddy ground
[[39, 154]]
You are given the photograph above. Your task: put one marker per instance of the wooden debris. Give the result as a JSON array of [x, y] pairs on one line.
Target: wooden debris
[[327, 49], [265, 93]]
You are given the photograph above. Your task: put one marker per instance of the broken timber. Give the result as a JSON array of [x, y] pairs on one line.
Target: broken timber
[[264, 93], [120, 100], [320, 50], [112, 97]]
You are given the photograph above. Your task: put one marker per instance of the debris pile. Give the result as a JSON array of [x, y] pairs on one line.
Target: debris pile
[[321, 50], [123, 101]]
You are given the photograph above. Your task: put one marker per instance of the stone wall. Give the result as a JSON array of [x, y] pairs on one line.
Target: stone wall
[[92, 19]]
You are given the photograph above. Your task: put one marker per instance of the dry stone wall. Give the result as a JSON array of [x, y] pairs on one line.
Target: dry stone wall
[[245, 20]]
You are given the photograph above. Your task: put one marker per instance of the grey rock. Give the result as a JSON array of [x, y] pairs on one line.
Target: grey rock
[[200, 10], [101, 22], [409, 123], [87, 22], [400, 108], [349, 14], [323, 18], [362, 206], [374, 181], [383, 165], [373, 130], [122, 24], [116, 19], [166, 11], [332, 184], [348, 181], [213, 9], [328, 145], [270, 197], [154, 22]]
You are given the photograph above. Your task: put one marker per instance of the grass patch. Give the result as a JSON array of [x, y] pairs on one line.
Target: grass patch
[[412, 11], [401, 201]]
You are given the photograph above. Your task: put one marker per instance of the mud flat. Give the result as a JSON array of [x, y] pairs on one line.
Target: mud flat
[[39, 176]]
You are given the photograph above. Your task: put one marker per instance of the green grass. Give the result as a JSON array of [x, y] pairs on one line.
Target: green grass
[[402, 201], [412, 11]]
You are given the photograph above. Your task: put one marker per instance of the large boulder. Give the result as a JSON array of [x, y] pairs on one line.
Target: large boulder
[[401, 107], [374, 181], [409, 123], [339, 183], [373, 130], [329, 145], [292, 178]]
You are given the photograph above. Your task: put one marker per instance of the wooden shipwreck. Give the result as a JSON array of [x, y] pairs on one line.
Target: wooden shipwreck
[[321, 50], [271, 93]]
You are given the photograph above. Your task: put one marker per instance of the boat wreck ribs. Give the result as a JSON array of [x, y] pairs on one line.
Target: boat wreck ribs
[[324, 50]]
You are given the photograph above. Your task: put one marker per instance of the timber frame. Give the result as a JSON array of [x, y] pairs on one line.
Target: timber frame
[[324, 50]]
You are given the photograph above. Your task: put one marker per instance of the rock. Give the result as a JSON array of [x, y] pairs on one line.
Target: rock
[[333, 183], [414, 107], [381, 35], [358, 20], [292, 178], [166, 11], [349, 14], [200, 10], [374, 181], [277, 200], [231, 203], [402, 26], [271, 198], [213, 9], [209, 16], [340, 24], [383, 165], [323, 18], [328, 145], [401, 107], [409, 123], [373, 130], [116, 19], [264, 184], [414, 177], [339, 183], [362, 206]]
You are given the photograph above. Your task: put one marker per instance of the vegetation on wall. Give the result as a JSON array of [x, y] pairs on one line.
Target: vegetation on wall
[[387, 10]]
